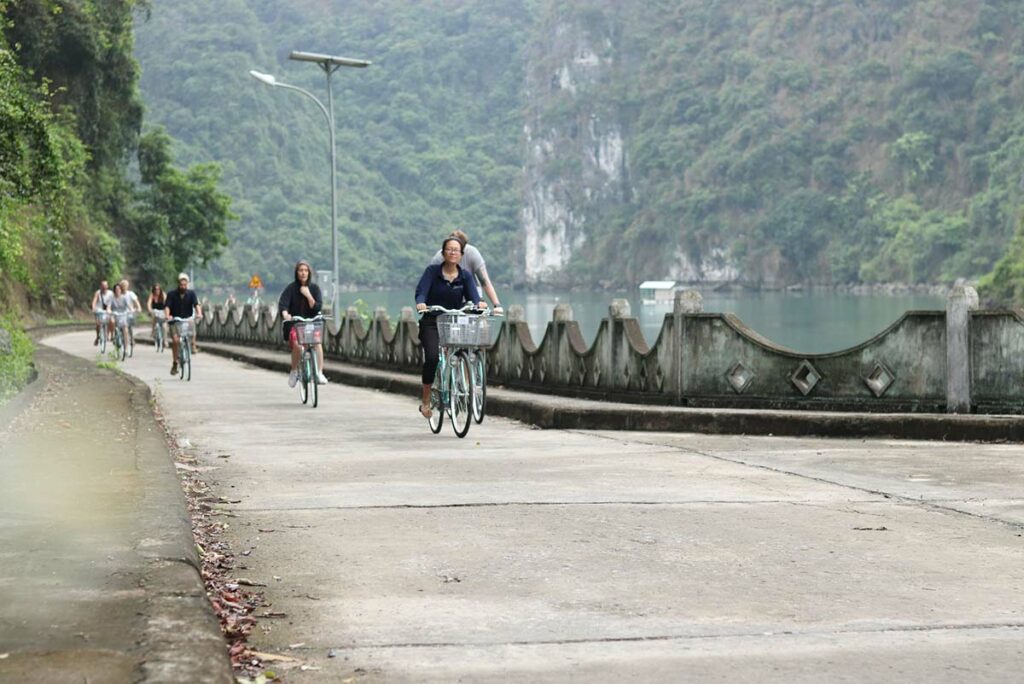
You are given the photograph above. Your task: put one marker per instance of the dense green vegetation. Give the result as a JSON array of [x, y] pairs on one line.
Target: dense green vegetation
[[427, 136], [15, 357], [807, 140], [70, 120], [816, 141]]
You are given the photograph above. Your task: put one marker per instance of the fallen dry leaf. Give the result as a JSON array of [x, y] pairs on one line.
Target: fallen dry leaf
[[273, 657]]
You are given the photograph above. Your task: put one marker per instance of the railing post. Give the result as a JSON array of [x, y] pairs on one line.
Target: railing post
[[404, 338], [962, 300], [617, 310], [515, 314], [560, 356], [685, 302]]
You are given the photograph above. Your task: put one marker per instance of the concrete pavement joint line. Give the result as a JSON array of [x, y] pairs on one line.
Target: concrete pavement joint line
[[932, 504], [495, 504], [905, 629]]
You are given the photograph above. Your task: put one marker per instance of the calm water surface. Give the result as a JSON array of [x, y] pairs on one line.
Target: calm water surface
[[811, 321]]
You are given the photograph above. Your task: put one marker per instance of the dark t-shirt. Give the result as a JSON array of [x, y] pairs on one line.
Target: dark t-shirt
[[182, 305]]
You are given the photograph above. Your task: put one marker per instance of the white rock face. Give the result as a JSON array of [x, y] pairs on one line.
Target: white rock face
[[571, 165], [716, 266]]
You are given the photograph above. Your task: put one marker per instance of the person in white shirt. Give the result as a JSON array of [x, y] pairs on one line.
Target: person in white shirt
[[134, 306], [101, 300]]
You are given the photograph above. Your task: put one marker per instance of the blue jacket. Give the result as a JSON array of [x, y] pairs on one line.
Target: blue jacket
[[434, 290]]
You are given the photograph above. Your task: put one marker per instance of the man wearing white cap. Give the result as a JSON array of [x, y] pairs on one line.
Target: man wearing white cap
[[181, 303]]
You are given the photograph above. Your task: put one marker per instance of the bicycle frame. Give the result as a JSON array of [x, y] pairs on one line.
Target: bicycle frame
[[308, 368]]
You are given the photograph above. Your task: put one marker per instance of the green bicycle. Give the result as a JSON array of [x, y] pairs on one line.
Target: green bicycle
[[459, 333]]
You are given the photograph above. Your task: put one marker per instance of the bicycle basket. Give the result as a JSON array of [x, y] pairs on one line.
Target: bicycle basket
[[184, 328], [456, 330], [309, 333]]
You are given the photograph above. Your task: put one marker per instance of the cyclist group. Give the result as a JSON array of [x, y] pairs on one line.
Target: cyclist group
[[115, 311], [448, 282]]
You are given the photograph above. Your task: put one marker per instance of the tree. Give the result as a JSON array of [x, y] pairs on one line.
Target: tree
[[179, 218]]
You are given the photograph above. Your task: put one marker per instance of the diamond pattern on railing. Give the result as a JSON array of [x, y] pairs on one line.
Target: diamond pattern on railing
[[805, 377], [879, 379], [740, 377]]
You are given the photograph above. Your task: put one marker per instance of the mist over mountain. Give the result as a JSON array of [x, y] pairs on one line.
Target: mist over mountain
[[598, 143]]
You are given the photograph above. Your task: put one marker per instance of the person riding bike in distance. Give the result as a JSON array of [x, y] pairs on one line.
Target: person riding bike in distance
[[473, 261], [449, 285], [101, 302], [156, 302], [301, 298], [134, 306], [180, 303]]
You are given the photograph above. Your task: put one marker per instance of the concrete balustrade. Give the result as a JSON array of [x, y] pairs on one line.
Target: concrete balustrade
[[959, 360]]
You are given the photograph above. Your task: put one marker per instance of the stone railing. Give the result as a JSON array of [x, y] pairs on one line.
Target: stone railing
[[958, 360]]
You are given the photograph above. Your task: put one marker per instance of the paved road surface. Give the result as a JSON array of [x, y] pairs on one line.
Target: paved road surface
[[522, 554]]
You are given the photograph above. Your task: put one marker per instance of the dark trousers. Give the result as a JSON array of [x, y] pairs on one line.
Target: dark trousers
[[429, 342]]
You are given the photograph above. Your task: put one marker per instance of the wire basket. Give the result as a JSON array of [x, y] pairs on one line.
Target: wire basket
[[457, 330], [184, 328], [309, 333], [121, 318]]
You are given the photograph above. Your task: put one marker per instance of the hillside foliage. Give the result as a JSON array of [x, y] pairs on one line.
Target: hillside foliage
[[808, 140], [71, 206]]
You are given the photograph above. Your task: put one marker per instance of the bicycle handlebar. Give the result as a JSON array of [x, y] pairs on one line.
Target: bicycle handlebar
[[318, 317], [469, 308]]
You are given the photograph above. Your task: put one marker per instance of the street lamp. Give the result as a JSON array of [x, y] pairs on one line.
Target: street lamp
[[329, 64]]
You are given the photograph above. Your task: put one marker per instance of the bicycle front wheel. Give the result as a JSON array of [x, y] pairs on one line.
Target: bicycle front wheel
[[158, 338], [304, 378], [436, 420], [131, 343], [119, 346], [185, 360], [479, 365], [460, 393], [314, 388]]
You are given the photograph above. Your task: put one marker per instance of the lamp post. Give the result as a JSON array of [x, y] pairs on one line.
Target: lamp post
[[329, 64]]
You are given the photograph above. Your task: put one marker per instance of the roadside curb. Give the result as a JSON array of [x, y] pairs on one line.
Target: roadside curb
[[553, 412], [180, 638]]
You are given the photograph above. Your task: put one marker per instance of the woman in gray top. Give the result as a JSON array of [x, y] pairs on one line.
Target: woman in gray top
[[473, 261]]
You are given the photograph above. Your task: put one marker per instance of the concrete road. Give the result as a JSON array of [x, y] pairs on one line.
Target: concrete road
[[522, 554]]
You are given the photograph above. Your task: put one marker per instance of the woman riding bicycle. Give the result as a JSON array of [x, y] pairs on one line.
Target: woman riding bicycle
[[121, 306], [449, 285], [155, 305], [301, 298]]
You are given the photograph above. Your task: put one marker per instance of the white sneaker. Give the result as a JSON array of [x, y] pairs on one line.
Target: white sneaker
[[321, 379], [293, 378]]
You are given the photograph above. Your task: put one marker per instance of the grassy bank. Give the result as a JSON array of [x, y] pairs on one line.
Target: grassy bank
[[15, 357]]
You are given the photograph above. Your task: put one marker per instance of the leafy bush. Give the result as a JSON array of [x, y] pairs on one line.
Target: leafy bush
[[16, 363]]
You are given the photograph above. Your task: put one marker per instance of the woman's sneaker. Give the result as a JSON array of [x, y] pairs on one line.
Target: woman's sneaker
[[321, 379], [293, 378]]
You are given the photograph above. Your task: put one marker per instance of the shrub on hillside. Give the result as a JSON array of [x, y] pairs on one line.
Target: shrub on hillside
[[15, 357]]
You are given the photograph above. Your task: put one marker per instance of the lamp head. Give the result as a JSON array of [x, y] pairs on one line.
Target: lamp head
[[265, 78]]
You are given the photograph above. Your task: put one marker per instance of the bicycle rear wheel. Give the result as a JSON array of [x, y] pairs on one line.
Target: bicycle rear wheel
[[103, 338], [479, 365], [460, 394], [304, 378]]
